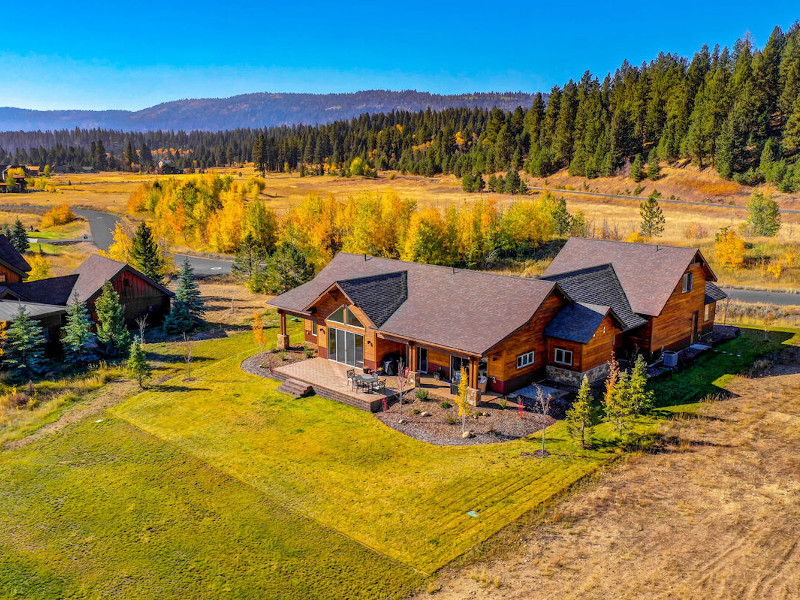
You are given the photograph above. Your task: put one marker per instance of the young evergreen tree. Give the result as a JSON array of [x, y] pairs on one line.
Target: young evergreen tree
[[111, 329], [146, 255], [562, 220], [19, 237], [187, 307], [76, 335], [764, 214], [637, 169], [582, 415], [287, 268], [618, 407], [653, 170], [641, 399], [24, 345], [248, 266], [652, 218], [138, 367]]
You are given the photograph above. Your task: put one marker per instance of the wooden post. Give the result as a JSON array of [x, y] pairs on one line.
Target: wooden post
[[283, 337], [473, 393]]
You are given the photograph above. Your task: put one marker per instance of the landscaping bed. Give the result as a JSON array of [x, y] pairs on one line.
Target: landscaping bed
[[437, 422], [261, 364]]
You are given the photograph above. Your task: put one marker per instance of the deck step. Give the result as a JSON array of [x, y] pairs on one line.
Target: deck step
[[295, 388]]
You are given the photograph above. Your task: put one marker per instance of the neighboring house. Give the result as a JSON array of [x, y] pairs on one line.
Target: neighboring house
[[19, 180], [49, 316], [138, 293], [596, 298], [13, 266], [166, 168]]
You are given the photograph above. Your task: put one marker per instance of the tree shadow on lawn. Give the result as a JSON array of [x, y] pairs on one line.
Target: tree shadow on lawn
[[169, 387], [175, 358]]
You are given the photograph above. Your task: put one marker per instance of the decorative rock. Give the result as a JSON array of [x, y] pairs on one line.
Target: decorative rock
[[424, 413], [467, 434], [401, 422]]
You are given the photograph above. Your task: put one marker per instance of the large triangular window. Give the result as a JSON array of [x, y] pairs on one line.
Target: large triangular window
[[345, 316]]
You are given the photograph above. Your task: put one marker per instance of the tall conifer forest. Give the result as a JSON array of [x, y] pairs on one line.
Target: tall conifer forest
[[734, 109]]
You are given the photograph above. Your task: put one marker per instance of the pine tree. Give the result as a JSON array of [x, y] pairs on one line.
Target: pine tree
[[562, 220], [653, 170], [111, 329], [248, 265], [637, 169], [24, 345], [19, 237], [187, 307], [146, 255], [131, 157], [652, 218], [582, 416], [101, 160], [618, 407], [641, 399], [287, 268], [76, 335], [138, 367]]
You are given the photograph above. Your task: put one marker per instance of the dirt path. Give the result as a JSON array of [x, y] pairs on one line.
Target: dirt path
[[716, 515]]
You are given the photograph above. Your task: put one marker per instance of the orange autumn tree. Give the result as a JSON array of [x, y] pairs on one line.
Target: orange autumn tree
[[729, 248], [259, 336], [120, 248]]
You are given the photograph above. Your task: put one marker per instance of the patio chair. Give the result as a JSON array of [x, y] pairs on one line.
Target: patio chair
[[379, 385]]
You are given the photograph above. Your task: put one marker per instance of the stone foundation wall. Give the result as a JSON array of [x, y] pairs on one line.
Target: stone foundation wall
[[574, 378]]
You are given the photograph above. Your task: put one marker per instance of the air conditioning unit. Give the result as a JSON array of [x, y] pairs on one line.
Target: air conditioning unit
[[670, 359]]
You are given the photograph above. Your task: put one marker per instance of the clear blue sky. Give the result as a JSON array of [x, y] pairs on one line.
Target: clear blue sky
[[100, 55]]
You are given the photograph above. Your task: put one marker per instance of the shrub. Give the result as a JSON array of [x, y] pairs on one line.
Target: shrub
[[451, 420], [58, 215], [416, 411], [422, 394], [308, 353], [445, 404]]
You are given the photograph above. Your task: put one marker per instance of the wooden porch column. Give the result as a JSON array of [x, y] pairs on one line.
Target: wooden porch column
[[283, 337], [413, 359], [473, 393]]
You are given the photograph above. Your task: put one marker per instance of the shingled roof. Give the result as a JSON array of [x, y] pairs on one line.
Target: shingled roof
[[459, 309], [648, 272], [713, 293], [53, 290], [599, 286], [11, 258], [379, 296], [578, 322]]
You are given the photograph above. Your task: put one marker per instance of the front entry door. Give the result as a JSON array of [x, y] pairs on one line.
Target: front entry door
[[456, 362], [422, 359]]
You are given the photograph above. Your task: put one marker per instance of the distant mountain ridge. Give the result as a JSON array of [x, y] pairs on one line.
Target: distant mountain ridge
[[253, 110]]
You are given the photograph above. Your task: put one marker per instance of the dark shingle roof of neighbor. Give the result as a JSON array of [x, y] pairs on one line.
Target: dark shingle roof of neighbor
[[377, 295], [11, 257], [9, 309], [599, 286], [713, 293], [469, 311], [577, 322], [648, 272], [97, 269], [54, 290]]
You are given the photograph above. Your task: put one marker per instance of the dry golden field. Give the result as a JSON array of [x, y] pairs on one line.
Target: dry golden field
[[716, 514]]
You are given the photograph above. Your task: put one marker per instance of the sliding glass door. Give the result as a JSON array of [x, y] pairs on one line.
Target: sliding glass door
[[346, 347]]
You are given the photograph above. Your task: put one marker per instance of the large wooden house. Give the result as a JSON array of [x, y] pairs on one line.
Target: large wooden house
[[597, 297]]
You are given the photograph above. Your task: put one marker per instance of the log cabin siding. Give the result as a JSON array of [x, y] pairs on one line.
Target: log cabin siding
[[9, 276], [590, 355], [504, 375], [673, 327]]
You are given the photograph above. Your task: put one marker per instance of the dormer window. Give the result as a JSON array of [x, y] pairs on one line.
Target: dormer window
[[688, 280], [345, 316]]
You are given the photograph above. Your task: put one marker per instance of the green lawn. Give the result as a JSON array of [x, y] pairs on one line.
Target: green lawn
[[222, 487], [342, 467]]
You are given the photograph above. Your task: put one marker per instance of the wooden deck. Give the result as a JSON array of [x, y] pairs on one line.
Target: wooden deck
[[329, 380]]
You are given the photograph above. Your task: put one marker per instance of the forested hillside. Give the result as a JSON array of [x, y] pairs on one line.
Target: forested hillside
[[736, 109], [253, 111]]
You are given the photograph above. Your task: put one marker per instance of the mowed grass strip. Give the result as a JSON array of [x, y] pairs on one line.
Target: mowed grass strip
[[106, 510], [341, 466]]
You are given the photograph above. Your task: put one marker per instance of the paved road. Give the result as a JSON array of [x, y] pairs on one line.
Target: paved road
[[763, 297], [102, 226]]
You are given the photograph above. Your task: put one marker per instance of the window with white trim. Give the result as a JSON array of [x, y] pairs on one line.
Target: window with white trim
[[314, 327], [563, 357], [524, 360], [688, 280]]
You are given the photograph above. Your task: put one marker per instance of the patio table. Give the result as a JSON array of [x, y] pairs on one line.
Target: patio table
[[366, 380]]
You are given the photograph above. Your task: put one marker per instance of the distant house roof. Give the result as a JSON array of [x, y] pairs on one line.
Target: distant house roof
[[599, 286], [713, 293], [97, 269], [11, 258], [53, 290], [578, 322], [648, 272], [9, 309], [452, 308]]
